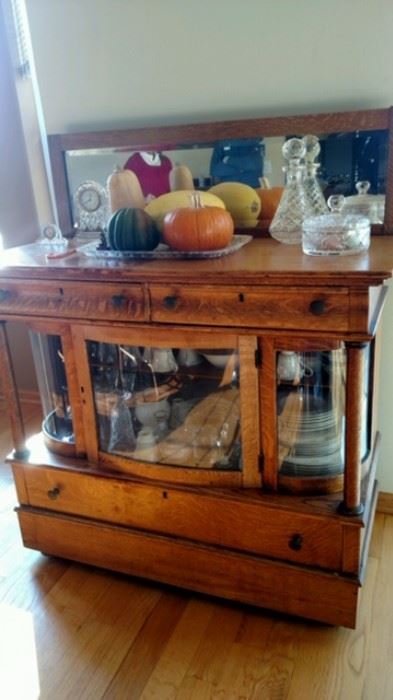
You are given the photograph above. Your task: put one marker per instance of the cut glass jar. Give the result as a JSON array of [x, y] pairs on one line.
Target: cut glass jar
[[336, 233], [370, 205]]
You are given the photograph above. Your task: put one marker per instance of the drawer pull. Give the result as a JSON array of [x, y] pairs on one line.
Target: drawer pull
[[296, 542], [118, 300], [170, 302], [317, 307], [54, 493], [4, 294]]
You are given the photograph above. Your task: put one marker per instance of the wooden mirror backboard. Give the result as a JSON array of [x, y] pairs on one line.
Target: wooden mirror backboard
[[355, 146]]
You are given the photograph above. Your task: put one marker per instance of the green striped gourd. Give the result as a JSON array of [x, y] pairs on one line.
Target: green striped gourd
[[132, 229]]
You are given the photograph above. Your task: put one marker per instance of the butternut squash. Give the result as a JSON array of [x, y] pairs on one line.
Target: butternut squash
[[180, 178], [124, 190]]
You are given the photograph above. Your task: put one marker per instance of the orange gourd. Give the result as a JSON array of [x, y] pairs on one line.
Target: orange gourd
[[198, 228], [270, 199]]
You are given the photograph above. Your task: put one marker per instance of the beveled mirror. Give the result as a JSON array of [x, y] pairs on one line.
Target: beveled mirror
[[355, 146]]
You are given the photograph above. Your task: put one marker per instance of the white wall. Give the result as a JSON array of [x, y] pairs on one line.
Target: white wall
[[104, 64], [18, 215], [110, 63]]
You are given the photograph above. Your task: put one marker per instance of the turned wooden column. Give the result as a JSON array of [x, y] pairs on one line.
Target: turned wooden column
[[352, 504], [11, 398]]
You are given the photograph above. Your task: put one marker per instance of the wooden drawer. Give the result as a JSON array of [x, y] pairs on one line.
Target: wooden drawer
[[305, 591], [230, 522], [72, 300], [263, 307]]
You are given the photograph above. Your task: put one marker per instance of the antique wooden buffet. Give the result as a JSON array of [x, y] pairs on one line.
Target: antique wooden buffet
[[216, 418]]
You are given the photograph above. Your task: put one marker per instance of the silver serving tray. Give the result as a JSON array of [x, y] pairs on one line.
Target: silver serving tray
[[163, 252]]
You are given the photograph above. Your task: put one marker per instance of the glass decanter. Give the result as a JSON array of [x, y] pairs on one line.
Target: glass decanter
[[294, 205], [311, 184]]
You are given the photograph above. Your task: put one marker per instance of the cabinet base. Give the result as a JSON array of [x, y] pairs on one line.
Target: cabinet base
[[302, 591]]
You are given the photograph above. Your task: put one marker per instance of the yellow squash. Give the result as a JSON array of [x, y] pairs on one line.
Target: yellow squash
[[241, 201], [162, 205]]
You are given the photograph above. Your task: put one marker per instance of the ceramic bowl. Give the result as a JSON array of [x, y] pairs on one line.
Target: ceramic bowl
[[146, 412], [218, 359]]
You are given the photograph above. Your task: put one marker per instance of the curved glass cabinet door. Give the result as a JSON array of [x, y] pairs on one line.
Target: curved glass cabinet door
[[171, 406], [311, 413], [52, 384]]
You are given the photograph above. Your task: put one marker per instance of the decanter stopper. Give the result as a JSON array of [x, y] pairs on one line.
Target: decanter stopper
[[336, 203], [311, 184], [294, 205], [362, 187]]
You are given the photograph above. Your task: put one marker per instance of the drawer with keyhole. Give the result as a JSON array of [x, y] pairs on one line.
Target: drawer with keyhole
[[263, 307]]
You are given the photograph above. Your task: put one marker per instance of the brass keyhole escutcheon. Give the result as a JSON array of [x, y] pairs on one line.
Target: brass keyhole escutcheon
[[317, 307], [118, 300], [296, 542], [54, 493], [170, 301]]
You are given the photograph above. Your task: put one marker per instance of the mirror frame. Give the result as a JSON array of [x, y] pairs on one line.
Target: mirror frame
[[153, 138]]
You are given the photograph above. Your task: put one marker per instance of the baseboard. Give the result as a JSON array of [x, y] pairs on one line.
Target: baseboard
[[385, 503], [26, 396]]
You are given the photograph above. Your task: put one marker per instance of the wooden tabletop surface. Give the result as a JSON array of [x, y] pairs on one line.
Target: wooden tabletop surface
[[261, 261]]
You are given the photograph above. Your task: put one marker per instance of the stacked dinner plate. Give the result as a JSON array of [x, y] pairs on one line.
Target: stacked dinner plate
[[311, 442]]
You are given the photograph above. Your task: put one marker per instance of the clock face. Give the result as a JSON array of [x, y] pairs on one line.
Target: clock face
[[89, 199], [90, 206], [51, 231]]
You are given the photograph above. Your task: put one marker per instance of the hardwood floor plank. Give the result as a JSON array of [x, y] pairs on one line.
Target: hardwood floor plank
[[168, 675], [377, 537], [331, 662], [104, 638], [379, 676], [145, 652], [209, 658], [195, 689], [247, 675], [255, 628]]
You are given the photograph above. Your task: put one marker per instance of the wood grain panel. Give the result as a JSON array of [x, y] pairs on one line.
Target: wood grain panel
[[249, 412], [10, 393], [305, 592], [195, 515], [266, 307], [70, 300]]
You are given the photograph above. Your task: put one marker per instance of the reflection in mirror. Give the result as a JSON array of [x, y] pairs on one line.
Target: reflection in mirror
[[345, 159]]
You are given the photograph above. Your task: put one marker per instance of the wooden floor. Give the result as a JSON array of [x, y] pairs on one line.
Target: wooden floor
[[69, 631]]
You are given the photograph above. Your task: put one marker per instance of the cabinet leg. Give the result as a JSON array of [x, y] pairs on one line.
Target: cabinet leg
[[11, 398]]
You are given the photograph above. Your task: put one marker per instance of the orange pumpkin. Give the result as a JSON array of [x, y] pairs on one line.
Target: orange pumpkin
[[198, 228], [270, 199]]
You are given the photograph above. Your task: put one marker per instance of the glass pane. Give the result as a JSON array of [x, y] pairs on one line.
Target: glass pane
[[311, 412], [177, 407], [52, 384]]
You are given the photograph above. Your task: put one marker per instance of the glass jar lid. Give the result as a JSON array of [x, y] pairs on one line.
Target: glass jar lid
[[336, 221], [370, 205]]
